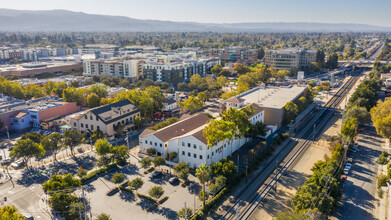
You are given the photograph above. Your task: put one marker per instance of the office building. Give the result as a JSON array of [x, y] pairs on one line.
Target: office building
[[288, 59]]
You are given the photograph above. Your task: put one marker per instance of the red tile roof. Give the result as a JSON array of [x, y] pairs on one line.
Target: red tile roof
[[235, 100]]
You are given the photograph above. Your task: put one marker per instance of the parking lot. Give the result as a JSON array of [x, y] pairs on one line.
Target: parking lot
[[121, 204]]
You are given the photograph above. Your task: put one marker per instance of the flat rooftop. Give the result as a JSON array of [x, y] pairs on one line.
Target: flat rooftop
[[272, 97], [11, 106], [32, 66]]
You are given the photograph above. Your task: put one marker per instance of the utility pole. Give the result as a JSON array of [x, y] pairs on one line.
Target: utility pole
[[237, 212], [186, 211]]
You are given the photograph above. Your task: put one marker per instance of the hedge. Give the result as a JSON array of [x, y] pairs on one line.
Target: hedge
[[96, 173], [146, 197], [161, 201], [112, 191]]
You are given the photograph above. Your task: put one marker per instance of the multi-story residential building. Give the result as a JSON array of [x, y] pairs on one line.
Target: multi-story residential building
[[100, 48], [236, 54], [127, 68], [105, 118], [179, 71], [186, 138], [289, 58], [141, 49]]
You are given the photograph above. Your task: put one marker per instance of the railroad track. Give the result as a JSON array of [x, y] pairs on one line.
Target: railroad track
[[261, 185]]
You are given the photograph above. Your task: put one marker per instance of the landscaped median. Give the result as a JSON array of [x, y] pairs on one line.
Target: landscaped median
[[93, 174]]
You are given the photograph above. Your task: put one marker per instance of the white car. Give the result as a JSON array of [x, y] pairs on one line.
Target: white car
[[47, 132], [346, 171], [348, 166]]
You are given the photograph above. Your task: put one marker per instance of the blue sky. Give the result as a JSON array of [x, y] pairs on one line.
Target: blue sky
[[375, 12]]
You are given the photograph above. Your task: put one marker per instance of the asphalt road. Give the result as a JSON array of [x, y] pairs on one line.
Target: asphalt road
[[358, 201]]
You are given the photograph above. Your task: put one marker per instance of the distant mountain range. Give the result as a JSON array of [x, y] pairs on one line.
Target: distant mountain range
[[69, 21]]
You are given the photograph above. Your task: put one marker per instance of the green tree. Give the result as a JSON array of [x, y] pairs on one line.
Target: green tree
[[145, 162], [99, 90], [61, 203], [138, 122], [320, 57], [192, 104], [216, 69], [349, 129], [158, 161], [103, 216], [202, 97], [96, 134], [10, 213], [225, 73], [136, 183], [182, 170], [360, 113], [93, 100], [61, 182], [203, 175], [332, 61], [119, 153], [241, 69], [73, 138], [291, 111], [53, 142], [124, 83], [102, 147], [34, 136], [156, 192], [117, 178], [381, 117], [182, 212], [27, 149]]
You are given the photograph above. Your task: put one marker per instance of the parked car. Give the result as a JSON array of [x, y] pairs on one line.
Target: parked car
[[156, 174], [348, 166], [173, 180], [343, 178], [6, 161], [17, 164], [356, 144], [354, 150], [28, 217], [47, 132], [346, 171]]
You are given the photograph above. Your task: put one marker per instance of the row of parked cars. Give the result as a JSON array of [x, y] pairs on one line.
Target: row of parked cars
[[41, 131], [348, 165]]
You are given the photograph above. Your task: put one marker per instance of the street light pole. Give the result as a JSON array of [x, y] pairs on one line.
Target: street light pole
[[8, 133]]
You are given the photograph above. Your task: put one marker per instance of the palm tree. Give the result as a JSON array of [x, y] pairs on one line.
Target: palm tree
[[203, 175]]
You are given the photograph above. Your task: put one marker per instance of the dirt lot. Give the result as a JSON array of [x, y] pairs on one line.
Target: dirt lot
[[280, 200]]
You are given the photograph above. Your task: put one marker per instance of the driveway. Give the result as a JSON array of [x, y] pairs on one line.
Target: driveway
[[359, 200]]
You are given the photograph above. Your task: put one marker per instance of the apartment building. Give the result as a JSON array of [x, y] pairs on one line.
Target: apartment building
[[100, 48], [186, 138], [287, 59], [236, 54], [178, 71], [105, 118], [127, 68]]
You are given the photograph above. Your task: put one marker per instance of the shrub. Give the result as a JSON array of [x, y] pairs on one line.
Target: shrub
[[117, 178], [382, 181], [151, 152], [81, 173], [112, 191], [172, 155], [146, 197]]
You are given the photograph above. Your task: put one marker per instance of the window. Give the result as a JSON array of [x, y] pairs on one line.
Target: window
[[155, 144], [81, 125], [91, 118], [189, 154], [150, 142], [86, 125], [92, 127], [74, 124], [195, 146], [183, 143], [22, 120], [97, 127], [33, 116], [161, 145], [97, 118], [200, 147], [183, 153], [208, 156], [200, 157], [85, 116], [189, 145], [146, 141], [212, 153], [195, 155]]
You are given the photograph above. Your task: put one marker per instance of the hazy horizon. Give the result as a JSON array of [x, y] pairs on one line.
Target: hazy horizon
[[218, 11]]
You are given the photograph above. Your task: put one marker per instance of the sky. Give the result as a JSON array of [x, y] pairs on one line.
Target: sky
[[373, 12]]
